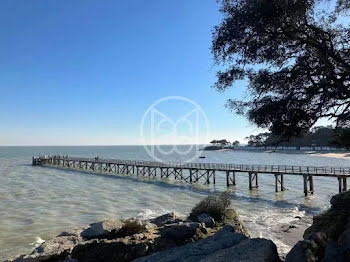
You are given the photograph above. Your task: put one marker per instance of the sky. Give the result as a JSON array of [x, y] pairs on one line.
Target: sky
[[86, 72]]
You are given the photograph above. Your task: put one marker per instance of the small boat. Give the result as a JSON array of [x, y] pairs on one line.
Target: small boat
[[202, 157]]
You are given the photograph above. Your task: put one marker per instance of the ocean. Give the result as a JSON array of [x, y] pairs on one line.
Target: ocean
[[37, 203]]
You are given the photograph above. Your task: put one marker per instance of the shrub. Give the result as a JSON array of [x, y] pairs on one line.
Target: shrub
[[215, 205]]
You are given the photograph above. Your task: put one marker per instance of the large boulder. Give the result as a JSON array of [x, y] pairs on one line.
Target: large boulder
[[232, 218], [341, 200], [219, 247], [104, 229], [328, 238], [334, 252], [54, 249], [166, 219], [206, 219], [249, 250], [110, 250], [180, 232], [309, 250]]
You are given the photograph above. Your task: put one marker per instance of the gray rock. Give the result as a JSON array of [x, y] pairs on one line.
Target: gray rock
[[334, 252], [311, 249], [195, 251], [206, 219], [249, 250], [104, 229], [344, 240], [166, 219], [180, 232], [301, 252], [54, 249], [72, 232], [103, 250], [341, 200]]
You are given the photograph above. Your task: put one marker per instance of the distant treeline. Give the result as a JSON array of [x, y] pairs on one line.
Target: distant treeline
[[320, 136]]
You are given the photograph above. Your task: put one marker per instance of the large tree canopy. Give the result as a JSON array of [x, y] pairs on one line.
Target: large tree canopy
[[295, 55]]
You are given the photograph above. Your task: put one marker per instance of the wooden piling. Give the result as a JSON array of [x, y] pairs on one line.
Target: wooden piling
[[276, 183], [305, 184], [311, 184], [250, 181], [233, 178]]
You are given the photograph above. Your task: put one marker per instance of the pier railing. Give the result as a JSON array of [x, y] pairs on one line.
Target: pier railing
[[193, 172], [285, 169]]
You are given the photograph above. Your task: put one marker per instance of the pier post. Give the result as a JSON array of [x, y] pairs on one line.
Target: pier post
[[276, 183], [227, 178], [282, 184], [342, 184], [233, 178], [250, 181], [311, 184], [256, 180], [305, 184], [208, 177]]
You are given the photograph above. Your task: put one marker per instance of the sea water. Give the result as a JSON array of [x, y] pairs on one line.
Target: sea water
[[37, 203]]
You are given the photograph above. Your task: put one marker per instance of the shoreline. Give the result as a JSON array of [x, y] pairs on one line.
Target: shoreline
[[323, 153], [203, 235]]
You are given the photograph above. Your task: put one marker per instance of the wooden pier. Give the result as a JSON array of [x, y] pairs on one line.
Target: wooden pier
[[194, 172]]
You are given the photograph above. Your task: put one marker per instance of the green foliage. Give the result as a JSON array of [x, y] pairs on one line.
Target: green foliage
[[319, 136], [295, 56], [342, 137], [215, 205], [130, 227]]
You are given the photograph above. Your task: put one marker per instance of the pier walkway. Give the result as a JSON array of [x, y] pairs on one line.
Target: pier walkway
[[194, 172]]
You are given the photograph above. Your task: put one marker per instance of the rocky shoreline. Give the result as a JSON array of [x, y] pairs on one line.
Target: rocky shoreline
[[212, 232]]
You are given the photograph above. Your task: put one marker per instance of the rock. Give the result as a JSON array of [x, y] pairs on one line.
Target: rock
[[166, 219], [72, 232], [252, 250], [180, 232], [344, 241], [130, 227], [225, 245], [126, 249], [206, 219], [333, 253], [232, 218], [341, 200], [57, 248], [287, 228], [104, 229], [309, 250]]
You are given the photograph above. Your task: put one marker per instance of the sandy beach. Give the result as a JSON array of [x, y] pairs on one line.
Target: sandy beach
[[340, 155]]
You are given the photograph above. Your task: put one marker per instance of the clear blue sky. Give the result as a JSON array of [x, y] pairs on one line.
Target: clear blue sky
[[84, 72]]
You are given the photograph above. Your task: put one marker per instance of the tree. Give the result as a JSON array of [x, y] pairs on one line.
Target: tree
[[223, 142], [295, 55], [258, 140], [236, 143], [214, 142], [342, 137]]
